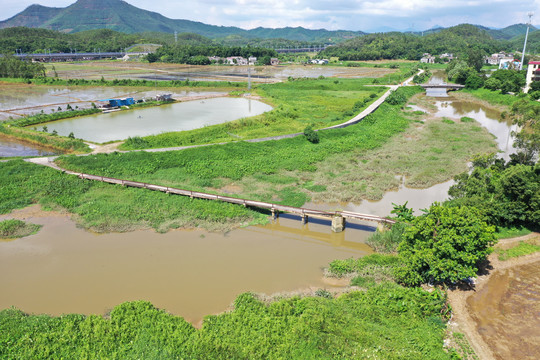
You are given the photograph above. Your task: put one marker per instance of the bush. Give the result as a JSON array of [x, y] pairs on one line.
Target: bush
[[311, 135]]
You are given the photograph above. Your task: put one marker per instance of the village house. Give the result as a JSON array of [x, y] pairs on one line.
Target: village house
[[427, 59], [448, 56], [533, 74], [236, 60], [496, 59]]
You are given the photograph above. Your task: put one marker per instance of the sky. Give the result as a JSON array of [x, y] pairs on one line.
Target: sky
[[363, 15]]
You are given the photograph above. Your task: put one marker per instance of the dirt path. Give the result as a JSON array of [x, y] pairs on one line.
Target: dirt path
[[464, 321]]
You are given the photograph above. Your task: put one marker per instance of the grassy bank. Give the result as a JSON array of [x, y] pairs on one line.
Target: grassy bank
[[214, 166], [12, 229], [385, 322], [492, 97], [129, 82], [56, 142], [354, 163], [521, 249], [298, 103], [106, 208]]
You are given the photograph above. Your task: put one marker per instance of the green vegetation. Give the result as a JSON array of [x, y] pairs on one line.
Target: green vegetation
[[387, 241], [507, 194], [211, 166], [15, 68], [386, 321], [53, 141], [522, 249], [12, 229], [104, 208], [219, 85], [511, 232], [462, 347], [16, 129], [298, 103], [445, 245], [394, 45], [198, 54]]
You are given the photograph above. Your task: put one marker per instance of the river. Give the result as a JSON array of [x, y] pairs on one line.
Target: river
[[192, 273]]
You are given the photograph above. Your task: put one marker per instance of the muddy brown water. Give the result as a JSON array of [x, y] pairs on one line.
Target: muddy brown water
[[192, 273], [507, 312]]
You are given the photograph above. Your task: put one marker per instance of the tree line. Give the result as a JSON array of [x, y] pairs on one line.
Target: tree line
[[410, 46]]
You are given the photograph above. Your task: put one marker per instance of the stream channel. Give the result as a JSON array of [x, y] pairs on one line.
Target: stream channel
[[192, 273]]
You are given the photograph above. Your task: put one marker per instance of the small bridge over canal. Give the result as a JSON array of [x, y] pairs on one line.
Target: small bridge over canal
[[443, 86], [338, 218]]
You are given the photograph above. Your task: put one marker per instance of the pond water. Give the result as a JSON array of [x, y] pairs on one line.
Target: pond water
[[182, 116], [64, 269], [11, 148]]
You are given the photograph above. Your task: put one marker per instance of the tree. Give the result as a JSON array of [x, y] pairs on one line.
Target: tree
[[445, 245], [311, 135], [475, 59]]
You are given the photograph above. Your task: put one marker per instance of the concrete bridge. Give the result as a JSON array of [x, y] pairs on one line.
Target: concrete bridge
[[443, 86], [338, 218], [301, 49]]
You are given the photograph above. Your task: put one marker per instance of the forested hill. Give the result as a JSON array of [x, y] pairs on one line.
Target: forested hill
[[396, 45], [120, 16]]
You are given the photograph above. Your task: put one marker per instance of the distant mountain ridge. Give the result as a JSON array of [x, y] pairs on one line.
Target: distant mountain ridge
[[120, 16]]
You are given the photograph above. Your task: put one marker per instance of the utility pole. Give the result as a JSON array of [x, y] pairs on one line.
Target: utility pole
[[249, 77], [175, 37], [530, 15]]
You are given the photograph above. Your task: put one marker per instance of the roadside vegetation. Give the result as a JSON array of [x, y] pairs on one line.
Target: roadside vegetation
[[13, 228]]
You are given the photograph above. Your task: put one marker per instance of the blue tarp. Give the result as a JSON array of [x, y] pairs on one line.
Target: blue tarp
[[120, 102]]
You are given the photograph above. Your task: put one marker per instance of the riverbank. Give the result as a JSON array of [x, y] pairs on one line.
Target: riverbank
[[499, 341]]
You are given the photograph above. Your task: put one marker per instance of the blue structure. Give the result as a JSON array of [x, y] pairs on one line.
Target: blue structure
[[120, 102]]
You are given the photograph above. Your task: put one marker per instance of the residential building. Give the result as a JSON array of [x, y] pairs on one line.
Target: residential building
[[533, 74]]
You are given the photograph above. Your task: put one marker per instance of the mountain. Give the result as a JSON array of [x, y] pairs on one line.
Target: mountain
[[120, 16], [510, 32]]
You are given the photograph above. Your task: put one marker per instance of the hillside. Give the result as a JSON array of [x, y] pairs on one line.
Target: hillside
[[511, 31], [396, 45], [120, 16]]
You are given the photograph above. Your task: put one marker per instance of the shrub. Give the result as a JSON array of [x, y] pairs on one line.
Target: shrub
[[311, 135]]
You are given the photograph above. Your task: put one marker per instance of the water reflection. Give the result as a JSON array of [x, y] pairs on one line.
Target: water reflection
[[149, 121], [12, 148]]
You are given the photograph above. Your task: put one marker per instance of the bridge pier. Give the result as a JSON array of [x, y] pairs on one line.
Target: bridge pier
[[304, 219], [381, 227], [275, 214], [338, 224]]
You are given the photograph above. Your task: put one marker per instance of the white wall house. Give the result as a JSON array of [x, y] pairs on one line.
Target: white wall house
[[533, 74]]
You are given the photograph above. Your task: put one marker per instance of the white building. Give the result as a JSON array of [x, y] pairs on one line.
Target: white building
[[533, 74]]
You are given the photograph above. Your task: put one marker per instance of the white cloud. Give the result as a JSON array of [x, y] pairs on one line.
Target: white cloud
[[331, 14]]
